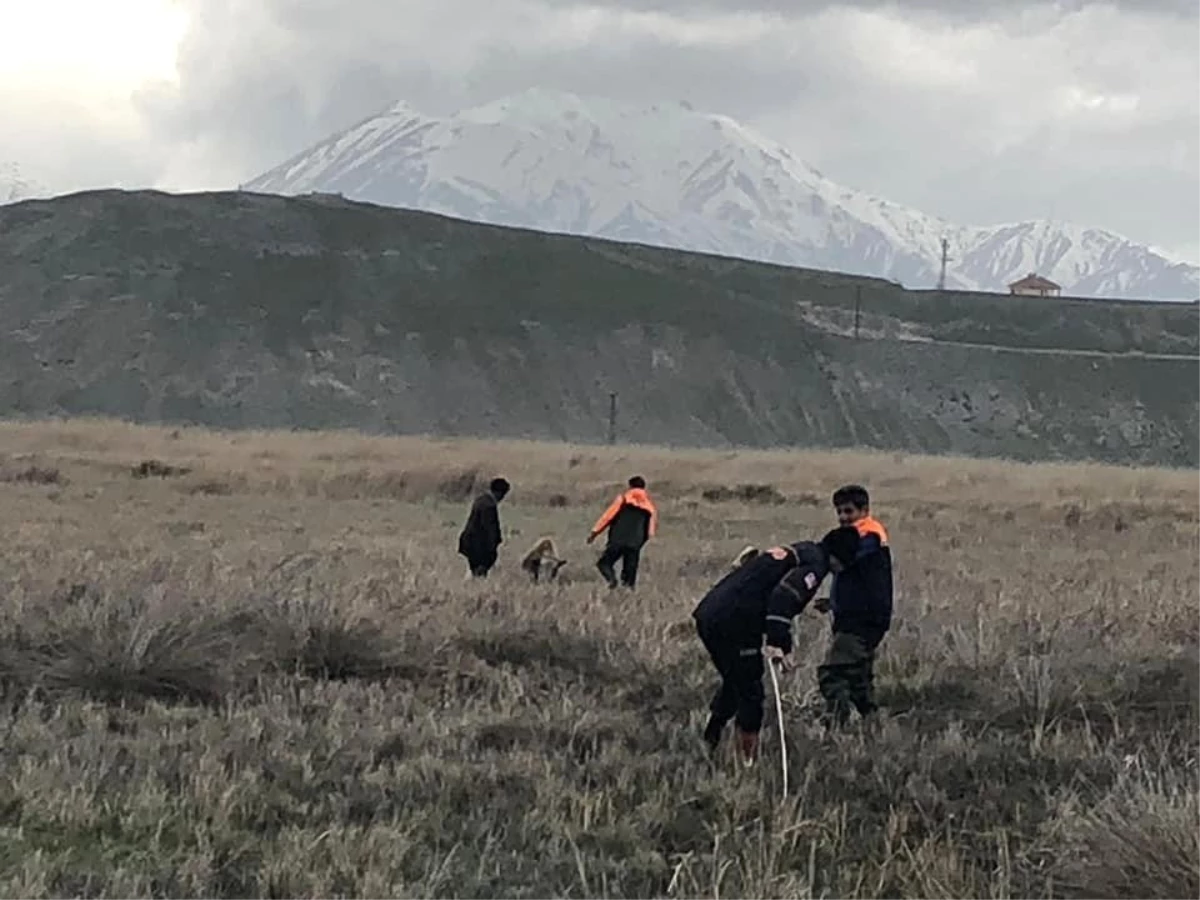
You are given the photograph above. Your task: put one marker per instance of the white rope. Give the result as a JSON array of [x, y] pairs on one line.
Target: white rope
[[779, 722]]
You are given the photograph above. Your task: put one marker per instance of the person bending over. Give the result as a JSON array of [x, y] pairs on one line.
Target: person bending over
[[760, 597]]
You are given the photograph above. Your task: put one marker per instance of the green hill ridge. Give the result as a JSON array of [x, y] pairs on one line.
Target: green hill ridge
[[245, 310]]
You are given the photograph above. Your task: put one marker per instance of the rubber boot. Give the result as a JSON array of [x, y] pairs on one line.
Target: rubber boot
[[748, 746]]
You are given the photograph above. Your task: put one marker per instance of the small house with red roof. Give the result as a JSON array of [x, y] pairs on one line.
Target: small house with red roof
[[1034, 285]]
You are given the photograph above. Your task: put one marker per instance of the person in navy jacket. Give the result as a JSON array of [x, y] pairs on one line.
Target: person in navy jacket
[[860, 603], [760, 598]]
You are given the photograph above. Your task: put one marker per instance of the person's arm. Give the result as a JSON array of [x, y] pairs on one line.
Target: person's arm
[[464, 536], [606, 519], [786, 601], [867, 544], [877, 576], [491, 519]]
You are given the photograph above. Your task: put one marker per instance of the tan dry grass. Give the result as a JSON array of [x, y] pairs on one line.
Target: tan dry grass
[[267, 676]]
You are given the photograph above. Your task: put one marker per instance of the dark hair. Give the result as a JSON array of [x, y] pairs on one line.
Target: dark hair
[[499, 487], [854, 494], [842, 544], [637, 481]]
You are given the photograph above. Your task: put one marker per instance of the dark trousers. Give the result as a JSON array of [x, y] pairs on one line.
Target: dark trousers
[[740, 695], [480, 565], [629, 557], [846, 677]]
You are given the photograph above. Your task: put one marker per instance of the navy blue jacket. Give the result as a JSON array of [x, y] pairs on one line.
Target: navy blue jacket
[[860, 597], [763, 595]]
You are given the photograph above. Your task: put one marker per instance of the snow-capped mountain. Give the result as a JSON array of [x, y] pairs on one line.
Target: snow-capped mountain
[[668, 175], [15, 186]]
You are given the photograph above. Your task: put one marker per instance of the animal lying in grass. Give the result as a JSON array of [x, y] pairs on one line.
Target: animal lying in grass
[[542, 560]]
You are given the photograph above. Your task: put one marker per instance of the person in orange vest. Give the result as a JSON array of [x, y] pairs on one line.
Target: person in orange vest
[[860, 600], [631, 520]]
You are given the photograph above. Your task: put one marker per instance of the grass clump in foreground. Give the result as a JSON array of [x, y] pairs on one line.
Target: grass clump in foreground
[[286, 687]]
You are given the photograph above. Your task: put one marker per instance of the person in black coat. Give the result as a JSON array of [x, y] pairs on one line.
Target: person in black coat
[[480, 539], [760, 597], [860, 600]]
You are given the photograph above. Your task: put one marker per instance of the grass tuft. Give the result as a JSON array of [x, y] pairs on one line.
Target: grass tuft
[[33, 474], [1141, 839], [128, 649]]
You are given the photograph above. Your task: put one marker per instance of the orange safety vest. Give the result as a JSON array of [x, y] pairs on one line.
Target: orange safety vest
[[636, 497]]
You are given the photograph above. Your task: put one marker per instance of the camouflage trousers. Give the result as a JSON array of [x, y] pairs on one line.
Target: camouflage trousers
[[846, 677]]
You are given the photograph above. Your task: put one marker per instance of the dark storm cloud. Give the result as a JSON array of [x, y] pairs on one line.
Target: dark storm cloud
[[916, 101], [263, 80], [969, 10], [272, 74]]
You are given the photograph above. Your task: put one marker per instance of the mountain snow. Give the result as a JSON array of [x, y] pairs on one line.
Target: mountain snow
[[667, 175]]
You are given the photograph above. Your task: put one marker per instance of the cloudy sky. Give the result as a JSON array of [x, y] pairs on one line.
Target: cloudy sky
[[978, 110]]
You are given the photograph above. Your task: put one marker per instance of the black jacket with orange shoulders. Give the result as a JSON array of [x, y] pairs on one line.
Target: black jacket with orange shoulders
[[860, 597]]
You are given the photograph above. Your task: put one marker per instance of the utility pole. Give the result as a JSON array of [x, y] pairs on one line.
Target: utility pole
[[945, 259], [612, 417], [857, 308]]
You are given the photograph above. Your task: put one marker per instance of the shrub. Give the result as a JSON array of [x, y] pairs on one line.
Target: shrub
[[762, 494], [155, 468], [33, 475], [123, 648], [319, 637], [1139, 840]]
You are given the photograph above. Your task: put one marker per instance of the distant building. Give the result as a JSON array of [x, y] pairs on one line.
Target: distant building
[[1033, 285]]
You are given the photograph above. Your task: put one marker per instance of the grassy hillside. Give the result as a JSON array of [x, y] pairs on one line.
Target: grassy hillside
[[261, 673], [254, 311]]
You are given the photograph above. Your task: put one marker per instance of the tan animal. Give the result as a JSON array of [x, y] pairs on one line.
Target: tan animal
[[542, 559]]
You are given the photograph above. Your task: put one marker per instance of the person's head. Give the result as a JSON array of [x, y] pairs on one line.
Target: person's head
[[637, 481], [841, 546], [851, 503], [499, 488]]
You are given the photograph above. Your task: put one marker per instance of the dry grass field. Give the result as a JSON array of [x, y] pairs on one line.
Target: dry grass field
[[253, 667]]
